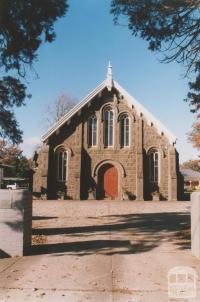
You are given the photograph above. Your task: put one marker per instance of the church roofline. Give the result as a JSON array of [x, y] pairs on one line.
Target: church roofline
[[147, 115], [73, 111], [132, 102]]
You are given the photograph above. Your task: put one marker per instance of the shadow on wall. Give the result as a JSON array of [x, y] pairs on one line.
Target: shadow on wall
[[87, 181], [16, 214], [3, 254], [125, 234], [19, 206]]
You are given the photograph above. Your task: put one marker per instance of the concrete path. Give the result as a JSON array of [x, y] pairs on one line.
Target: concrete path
[[101, 251]]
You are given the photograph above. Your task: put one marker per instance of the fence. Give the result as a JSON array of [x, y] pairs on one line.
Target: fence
[[15, 222], [195, 224]]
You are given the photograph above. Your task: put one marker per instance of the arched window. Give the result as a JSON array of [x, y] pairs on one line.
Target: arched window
[[108, 127], [154, 166], [92, 131], [61, 165], [124, 131]]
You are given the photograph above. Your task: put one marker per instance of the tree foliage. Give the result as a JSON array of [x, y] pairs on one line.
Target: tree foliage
[[194, 93], [24, 26], [57, 109], [171, 27], [13, 155], [194, 135], [193, 164], [8, 151], [12, 93]]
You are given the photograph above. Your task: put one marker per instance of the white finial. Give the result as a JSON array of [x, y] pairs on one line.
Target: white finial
[[109, 79]]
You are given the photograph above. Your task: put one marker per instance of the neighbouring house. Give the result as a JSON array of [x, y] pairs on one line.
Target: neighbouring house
[[3, 170], [7, 178], [108, 147], [191, 179], [1, 176]]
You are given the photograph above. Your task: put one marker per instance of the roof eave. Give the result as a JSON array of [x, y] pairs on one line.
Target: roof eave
[[132, 101], [73, 111], [147, 115]]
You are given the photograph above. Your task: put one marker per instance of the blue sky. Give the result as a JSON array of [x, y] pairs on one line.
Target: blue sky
[[77, 61]]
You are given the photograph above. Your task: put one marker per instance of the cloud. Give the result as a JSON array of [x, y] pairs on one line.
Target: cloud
[[29, 145], [32, 141]]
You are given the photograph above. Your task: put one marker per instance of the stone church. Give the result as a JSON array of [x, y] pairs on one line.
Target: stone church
[[108, 147]]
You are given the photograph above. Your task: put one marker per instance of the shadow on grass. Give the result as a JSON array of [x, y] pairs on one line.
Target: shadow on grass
[[122, 234]]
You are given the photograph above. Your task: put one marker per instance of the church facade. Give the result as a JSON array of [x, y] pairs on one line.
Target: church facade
[[108, 147]]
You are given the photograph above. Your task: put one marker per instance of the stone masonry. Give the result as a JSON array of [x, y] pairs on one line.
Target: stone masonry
[[84, 161]]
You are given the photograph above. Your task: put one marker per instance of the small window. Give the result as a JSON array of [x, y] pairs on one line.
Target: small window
[[154, 166], [61, 165], [108, 127], [124, 131], [92, 131]]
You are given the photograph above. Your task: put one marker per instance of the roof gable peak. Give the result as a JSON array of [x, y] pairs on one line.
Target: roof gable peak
[[109, 83], [109, 79]]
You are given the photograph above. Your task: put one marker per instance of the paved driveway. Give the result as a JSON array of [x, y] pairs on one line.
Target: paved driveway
[[100, 251]]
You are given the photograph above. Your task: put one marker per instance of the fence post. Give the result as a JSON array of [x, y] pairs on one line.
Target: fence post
[[15, 222], [195, 224]]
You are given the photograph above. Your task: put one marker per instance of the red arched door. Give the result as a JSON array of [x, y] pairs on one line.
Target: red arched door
[[108, 182]]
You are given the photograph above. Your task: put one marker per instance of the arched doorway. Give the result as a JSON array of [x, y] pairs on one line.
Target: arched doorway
[[108, 182]]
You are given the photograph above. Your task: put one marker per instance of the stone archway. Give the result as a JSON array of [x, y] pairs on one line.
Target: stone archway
[[108, 187], [108, 171]]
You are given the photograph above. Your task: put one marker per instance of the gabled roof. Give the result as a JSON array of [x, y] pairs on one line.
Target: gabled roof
[[6, 166], [109, 83], [189, 174]]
